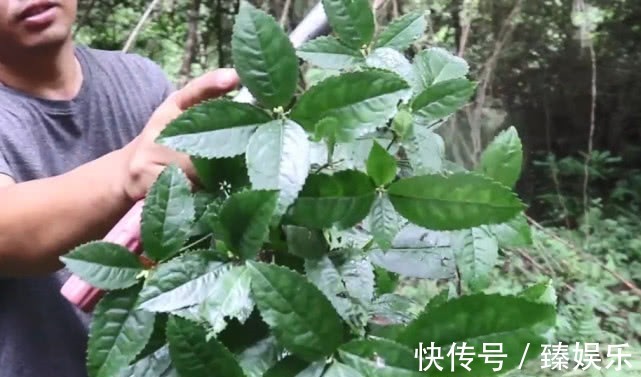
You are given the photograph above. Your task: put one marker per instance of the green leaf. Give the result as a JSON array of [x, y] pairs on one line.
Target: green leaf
[[305, 243], [157, 339], [476, 253], [442, 99], [238, 337], [425, 150], [325, 275], [350, 238], [190, 313], [104, 265], [357, 274], [351, 104], [392, 309], [386, 282], [352, 155], [329, 53], [378, 357], [543, 293], [503, 157], [194, 355], [516, 232], [341, 370], [167, 215], [418, 253], [435, 65], [206, 206], [441, 298], [381, 166], [403, 31], [213, 129], [385, 223], [245, 218], [202, 201], [455, 201], [263, 56], [351, 20], [381, 329], [157, 364], [290, 366], [402, 123], [261, 356], [228, 297], [222, 174], [391, 60], [118, 332], [300, 316], [340, 200], [181, 282], [278, 159], [476, 319], [313, 370]]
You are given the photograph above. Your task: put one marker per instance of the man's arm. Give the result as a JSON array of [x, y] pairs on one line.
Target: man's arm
[[42, 219]]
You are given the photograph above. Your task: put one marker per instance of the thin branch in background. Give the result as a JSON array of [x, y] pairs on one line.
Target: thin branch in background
[[302, 80], [474, 115], [191, 45], [395, 11], [553, 167], [378, 4], [464, 37], [629, 284], [141, 22], [586, 168], [220, 42], [465, 22], [461, 149], [285, 14], [537, 266], [581, 19]]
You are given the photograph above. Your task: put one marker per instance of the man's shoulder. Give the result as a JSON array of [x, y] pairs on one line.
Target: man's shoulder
[[119, 61], [136, 72]]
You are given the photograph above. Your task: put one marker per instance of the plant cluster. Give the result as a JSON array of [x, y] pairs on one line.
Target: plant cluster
[[311, 205]]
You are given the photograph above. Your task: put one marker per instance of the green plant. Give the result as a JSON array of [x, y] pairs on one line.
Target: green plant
[[561, 196], [285, 264]]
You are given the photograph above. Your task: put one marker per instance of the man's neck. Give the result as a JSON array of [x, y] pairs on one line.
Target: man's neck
[[53, 74]]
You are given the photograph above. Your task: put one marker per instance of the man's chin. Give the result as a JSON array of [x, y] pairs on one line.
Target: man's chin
[[54, 35], [46, 39]]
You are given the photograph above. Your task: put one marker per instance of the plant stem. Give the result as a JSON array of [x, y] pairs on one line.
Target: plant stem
[[586, 167], [203, 238], [394, 138]]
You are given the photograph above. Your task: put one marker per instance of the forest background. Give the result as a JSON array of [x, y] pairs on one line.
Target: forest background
[[564, 73]]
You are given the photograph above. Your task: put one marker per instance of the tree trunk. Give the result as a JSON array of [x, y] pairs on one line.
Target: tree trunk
[[191, 46]]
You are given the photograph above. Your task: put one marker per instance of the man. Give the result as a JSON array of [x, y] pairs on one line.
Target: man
[[77, 131]]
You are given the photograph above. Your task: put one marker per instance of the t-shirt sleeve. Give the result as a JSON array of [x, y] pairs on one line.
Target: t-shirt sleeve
[[162, 84], [157, 85], [5, 169], [167, 86]]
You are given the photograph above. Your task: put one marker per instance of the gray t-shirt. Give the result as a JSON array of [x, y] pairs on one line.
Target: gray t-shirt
[[41, 334]]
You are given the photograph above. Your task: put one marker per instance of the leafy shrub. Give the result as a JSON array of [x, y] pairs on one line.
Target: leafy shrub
[[593, 305], [559, 182], [285, 263]]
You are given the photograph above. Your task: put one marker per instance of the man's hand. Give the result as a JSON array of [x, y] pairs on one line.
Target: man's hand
[[145, 159], [61, 212]]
